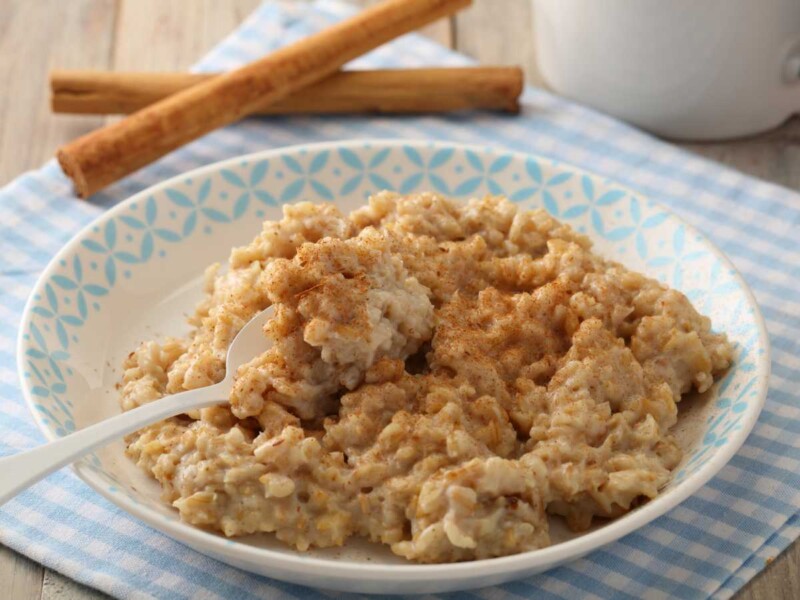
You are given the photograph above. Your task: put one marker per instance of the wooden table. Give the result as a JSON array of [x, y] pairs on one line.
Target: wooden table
[[37, 35]]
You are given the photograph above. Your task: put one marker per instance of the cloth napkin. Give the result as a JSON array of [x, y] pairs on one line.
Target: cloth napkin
[[709, 546]]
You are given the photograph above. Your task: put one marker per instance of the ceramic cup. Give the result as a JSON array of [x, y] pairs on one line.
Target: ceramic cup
[[685, 69]]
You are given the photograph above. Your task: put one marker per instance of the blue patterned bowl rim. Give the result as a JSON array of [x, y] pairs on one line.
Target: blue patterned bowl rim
[[298, 564]]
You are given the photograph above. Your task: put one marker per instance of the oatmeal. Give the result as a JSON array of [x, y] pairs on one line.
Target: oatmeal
[[443, 378]]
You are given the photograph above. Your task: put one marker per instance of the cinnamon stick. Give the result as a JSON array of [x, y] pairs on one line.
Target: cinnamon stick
[[380, 91], [108, 154]]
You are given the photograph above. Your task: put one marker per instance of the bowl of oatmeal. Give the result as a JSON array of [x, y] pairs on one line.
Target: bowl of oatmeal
[[483, 364]]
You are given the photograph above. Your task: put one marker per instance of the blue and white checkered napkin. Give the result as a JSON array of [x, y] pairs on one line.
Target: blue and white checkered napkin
[[708, 546]]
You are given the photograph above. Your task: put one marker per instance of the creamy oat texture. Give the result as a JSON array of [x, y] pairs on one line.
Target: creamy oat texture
[[443, 377]]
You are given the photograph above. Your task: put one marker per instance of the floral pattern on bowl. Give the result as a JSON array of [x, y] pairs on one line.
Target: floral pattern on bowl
[[135, 254]]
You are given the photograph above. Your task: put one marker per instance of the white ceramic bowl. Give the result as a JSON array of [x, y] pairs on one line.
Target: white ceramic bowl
[[136, 272]]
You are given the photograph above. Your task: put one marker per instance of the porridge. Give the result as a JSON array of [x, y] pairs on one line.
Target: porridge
[[443, 376]]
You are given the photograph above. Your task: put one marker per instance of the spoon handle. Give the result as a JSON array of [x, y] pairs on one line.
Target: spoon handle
[[19, 471]]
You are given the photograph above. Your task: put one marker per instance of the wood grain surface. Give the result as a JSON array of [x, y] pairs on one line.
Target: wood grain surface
[[171, 35]]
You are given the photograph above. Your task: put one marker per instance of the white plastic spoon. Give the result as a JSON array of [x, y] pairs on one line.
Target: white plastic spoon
[[19, 471]]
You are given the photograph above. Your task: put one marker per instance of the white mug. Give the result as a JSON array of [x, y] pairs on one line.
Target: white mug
[[686, 69]]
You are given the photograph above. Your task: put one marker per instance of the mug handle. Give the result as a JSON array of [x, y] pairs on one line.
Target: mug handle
[[791, 76]]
